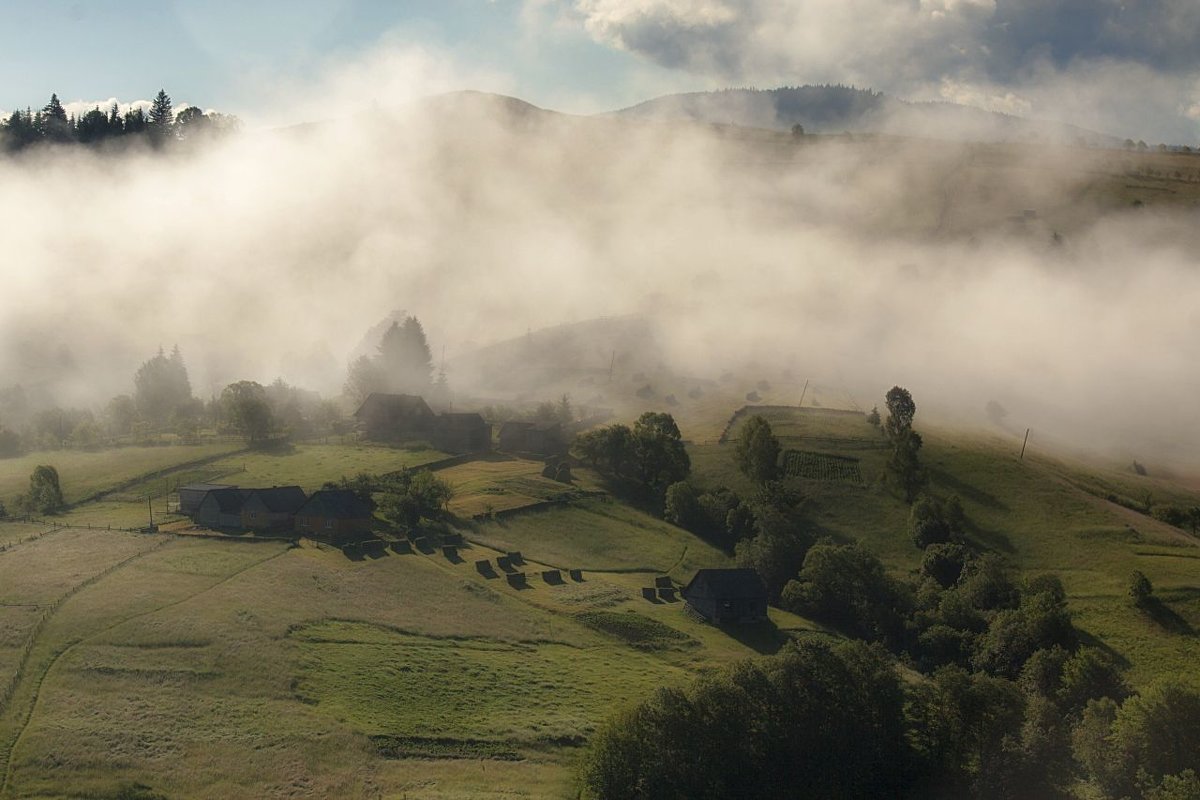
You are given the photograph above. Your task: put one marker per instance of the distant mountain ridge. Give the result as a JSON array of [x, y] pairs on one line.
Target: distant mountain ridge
[[837, 109]]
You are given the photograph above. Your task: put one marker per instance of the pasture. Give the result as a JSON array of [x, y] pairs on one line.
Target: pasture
[[84, 473], [257, 669], [1042, 514], [500, 483]]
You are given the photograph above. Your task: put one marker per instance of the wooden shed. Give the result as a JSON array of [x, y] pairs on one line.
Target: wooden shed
[[222, 508], [728, 595], [395, 417], [191, 495], [337, 515], [272, 509]]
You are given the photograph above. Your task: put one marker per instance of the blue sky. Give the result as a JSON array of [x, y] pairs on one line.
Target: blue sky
[[217, 53], [1127, 68]]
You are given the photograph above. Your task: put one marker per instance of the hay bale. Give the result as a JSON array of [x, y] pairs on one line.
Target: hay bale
[[648, 593], [452, 538], [505, 563], [484, 568], [423, 545], [450, 552], [576, 575], [663, 583], [552, 577], [515, 557], [402, 547], [667, 593], [516, 580]]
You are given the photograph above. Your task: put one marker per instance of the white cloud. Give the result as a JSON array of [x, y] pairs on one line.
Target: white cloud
[[1001, 55]]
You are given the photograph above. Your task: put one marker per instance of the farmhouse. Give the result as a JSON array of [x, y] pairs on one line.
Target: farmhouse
[[395, 417], [191, 495], [462, 433], [222, 508], [542, 438], [272, 509], [338, 515], [728, 595]]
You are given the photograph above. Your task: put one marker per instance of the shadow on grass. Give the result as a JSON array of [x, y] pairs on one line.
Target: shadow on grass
[[965, 490], [1088, 640], [761, 637], [989, 539], [1166, 617]]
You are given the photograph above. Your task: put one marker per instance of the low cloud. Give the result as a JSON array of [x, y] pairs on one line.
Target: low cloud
[[1019, 55], [269, 254]]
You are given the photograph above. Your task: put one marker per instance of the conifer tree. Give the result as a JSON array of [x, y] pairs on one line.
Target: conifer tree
[[162, 118]]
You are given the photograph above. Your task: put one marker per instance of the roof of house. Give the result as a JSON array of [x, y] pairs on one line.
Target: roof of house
[[530, 426], [229, 500], [205, 487], [461, 419], [727, 583], [399, 404], [337, 503], [279, 499]]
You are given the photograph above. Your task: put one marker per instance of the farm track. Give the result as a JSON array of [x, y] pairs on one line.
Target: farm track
[[8, 747]]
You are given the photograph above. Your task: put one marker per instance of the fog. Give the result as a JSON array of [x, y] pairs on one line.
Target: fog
[[866, 264]]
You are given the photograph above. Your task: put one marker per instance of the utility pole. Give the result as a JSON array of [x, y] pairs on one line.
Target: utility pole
[[803, 392], [150, 508], [612, 364], [1024, 443]]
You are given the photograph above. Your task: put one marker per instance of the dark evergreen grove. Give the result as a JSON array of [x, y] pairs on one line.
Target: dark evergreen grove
[[158, 126]]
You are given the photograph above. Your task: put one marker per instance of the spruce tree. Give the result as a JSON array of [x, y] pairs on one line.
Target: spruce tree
[[162, 118]]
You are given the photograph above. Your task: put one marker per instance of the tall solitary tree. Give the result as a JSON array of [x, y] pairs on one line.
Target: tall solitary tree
[[162, 118], [904, 468], [404, 358], [758, 450], [244, 406], [161, 386]]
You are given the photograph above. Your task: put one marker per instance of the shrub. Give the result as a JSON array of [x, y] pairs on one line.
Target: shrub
[[1140, 589]]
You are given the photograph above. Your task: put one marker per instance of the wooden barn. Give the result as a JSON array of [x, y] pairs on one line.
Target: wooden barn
[[336, 515], [462, 433], [542, 438], [191, 495], [728, 595], [222, 508], [272, 509], [396, 417]]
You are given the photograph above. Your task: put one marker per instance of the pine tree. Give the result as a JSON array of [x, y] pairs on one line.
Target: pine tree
[[56, 127], [404, 358], [115, 128], [162, 118]]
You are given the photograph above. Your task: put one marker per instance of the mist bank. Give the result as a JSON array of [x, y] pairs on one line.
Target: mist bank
[[1058, 282]]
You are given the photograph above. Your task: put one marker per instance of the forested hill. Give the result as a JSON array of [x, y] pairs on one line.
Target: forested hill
[[836, 108]]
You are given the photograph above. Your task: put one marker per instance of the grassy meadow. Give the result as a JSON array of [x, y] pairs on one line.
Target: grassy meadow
[[229, 668]]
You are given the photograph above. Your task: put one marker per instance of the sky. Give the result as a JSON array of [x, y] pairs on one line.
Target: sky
[[1123, 67]]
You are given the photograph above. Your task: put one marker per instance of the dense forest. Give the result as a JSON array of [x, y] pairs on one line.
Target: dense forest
[[156, 125]]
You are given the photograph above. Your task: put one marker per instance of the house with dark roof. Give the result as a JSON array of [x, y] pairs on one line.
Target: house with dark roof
[[727, 595], [191, 495], [222, 508], [272, 509], [395, 417], [462, 433], [542, 438], [336, 515]]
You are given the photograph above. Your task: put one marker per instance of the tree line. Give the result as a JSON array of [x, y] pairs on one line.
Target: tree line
[[158, 125]]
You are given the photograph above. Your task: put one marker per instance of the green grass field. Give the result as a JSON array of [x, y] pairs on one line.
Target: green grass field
[[84, 473], [500, 484], [601, 536], [209, 668], [1041, 514]]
